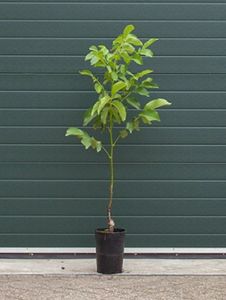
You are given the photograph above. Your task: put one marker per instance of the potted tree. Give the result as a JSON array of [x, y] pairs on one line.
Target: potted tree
[[117, 113]]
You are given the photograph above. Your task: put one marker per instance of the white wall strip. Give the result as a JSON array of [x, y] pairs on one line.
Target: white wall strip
[[127, 250]]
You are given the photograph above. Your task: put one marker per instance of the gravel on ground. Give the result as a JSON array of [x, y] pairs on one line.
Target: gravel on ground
[[95, 287]]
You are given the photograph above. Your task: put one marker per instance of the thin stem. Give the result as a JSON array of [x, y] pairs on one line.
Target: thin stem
[[116, 140], [111, 223], [105, 150], [126, 96]]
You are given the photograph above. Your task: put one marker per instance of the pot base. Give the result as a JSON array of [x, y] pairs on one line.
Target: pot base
[[107, 264]]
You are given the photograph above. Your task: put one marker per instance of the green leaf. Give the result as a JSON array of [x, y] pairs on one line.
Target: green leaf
[[130, 73], [121, 109], [99, 64], [86, 73], [89, 56], [118, 86], [95, 108], [104, 49], [96, 144], [93, 48], [149, 115], [133, 39], [142, 91], [126, 82], [128, 29], [115, 115], [94, 60], [86, 141], [147, 83], [129, 48], [75, 131], [133, 125], [150, 42], [133, 102], [97, 123], [123, 133], [117, 96], [146, 52], [88, 117], [123, 69], [109, 69], [98, 87], [126, 57], [102, 102], [114, 76], [137, 58], [156, 103], [129, 126], [154, 86], [118, 40], [104, 115], [142, 73]]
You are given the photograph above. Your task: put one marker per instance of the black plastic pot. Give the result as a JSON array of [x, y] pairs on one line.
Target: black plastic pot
[[109, 250]]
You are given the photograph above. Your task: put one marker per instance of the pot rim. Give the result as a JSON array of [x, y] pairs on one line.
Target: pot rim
[[103, 231]]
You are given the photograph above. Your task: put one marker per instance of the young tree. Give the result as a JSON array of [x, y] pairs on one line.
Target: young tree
[[118, 90]]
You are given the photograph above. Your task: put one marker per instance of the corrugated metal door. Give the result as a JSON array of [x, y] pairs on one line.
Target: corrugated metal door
[[171, 187]]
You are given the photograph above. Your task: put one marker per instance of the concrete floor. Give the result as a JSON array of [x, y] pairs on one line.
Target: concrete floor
[[143, 279], [132, 267]]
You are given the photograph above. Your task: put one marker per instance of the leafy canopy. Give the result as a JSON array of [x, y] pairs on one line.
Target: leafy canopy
[[119, 89]]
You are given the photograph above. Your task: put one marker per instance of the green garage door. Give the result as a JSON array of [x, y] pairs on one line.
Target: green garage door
[[171, 187]]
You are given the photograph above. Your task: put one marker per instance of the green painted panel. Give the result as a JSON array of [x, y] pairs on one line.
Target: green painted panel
[[47, 240], [79, 46], [122, 207], [136, 225], [72, 64], [137, 153], [123, 188], [88, 240], [176, 240], [155, 135], [87, 171], [81, 100], [171, 182], [68, 82], [113, 11], [89, 29], [170, 117]]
